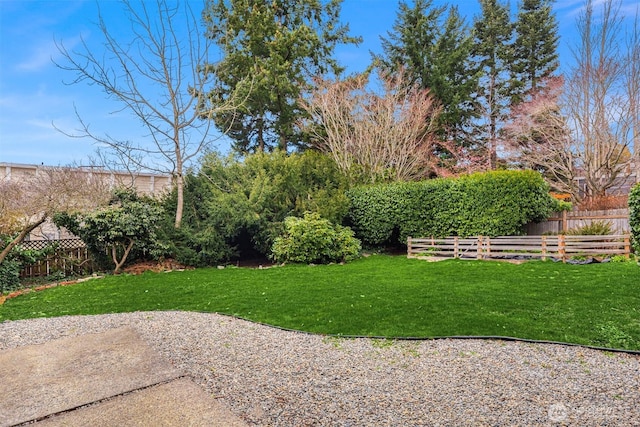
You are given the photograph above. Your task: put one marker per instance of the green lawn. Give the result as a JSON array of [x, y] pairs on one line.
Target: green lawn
[[596, 304]]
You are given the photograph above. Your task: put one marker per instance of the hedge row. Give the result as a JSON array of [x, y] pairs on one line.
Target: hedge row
[[634, 216], [490, 204]]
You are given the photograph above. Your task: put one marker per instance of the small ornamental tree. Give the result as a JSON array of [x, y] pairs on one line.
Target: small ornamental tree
[[313, 239], [126, 222], [27, 202], [634, 216]]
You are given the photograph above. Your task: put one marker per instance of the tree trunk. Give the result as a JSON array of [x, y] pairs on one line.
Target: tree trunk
[[180, 202], [114, 256], [20, 237], [178, 175]]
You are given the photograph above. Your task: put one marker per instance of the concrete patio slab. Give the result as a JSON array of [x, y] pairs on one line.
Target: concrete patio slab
[[38, 381], [178, 403]]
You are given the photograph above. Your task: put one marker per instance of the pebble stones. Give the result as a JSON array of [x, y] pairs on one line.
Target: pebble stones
[[271, 377]]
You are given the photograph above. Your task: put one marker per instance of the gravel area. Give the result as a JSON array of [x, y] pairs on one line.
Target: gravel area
[[271, 377]]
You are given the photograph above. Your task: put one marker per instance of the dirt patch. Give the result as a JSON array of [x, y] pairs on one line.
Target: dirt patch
[[155, 266], [19, 292]]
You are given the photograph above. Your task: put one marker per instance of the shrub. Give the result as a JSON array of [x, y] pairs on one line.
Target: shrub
[[128, 226], [9, 275], [14, 262], [595, 228], [601, 203], [242, 203], [313, 239], [374, 212], [490, 204], [634, 216], [204, 236]]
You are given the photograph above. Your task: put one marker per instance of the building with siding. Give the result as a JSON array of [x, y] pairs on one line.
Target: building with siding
[[145, 183], [149, 184]]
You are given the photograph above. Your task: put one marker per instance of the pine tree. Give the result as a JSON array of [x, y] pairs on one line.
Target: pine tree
[[411, 43], [435, 53], [454, 79], [272, 50], [535, 56], [493, 33]]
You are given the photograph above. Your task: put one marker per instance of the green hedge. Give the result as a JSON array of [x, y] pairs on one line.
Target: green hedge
[[489, 204], [634, 216]]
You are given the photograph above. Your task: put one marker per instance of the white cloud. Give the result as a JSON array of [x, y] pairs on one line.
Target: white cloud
[[39, 57], [572, 8], [43, 54]]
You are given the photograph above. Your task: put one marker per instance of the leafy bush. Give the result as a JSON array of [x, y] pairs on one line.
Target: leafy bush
[[11, 266], [9, 275], [595, 228], [634, 216], [126, 229], [490, 204], [313, 239], [564, 206], [204, 236], [240, 204], [622, 258]]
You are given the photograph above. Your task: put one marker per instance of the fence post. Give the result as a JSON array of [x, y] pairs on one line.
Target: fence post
[[479, 255], [544, 248], [564, 221], [409, 252], [627, 246], [487, 253], [455, 247], [561, 248]]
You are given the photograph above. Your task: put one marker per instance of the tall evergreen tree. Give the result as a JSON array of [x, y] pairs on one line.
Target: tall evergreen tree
[[535, 56], [435, 53], [271, 51], [454, 79], [411, 43], [493, 34]]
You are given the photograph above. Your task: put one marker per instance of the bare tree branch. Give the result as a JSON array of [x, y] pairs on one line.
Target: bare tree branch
[[155, 76], [386, 135], [595, 141], [27, 202]]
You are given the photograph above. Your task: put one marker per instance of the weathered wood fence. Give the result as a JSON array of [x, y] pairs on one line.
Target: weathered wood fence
[[564, 221], [70, 257], [519, 247]]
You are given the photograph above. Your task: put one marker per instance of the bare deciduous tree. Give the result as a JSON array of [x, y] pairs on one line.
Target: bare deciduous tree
[[27, 202], [597, 99], [586, 134], [386, 135], [155, 76], [537, 137], [632, 78]]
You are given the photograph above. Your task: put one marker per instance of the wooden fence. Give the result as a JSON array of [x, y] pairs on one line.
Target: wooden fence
[[564, 221], [70, 257], [519, 247]]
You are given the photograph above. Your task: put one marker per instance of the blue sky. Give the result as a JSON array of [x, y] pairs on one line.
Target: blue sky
[[33, 94]]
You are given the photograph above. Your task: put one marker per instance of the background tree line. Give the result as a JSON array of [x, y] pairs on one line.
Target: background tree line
[[476, 88], [445, 97]]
